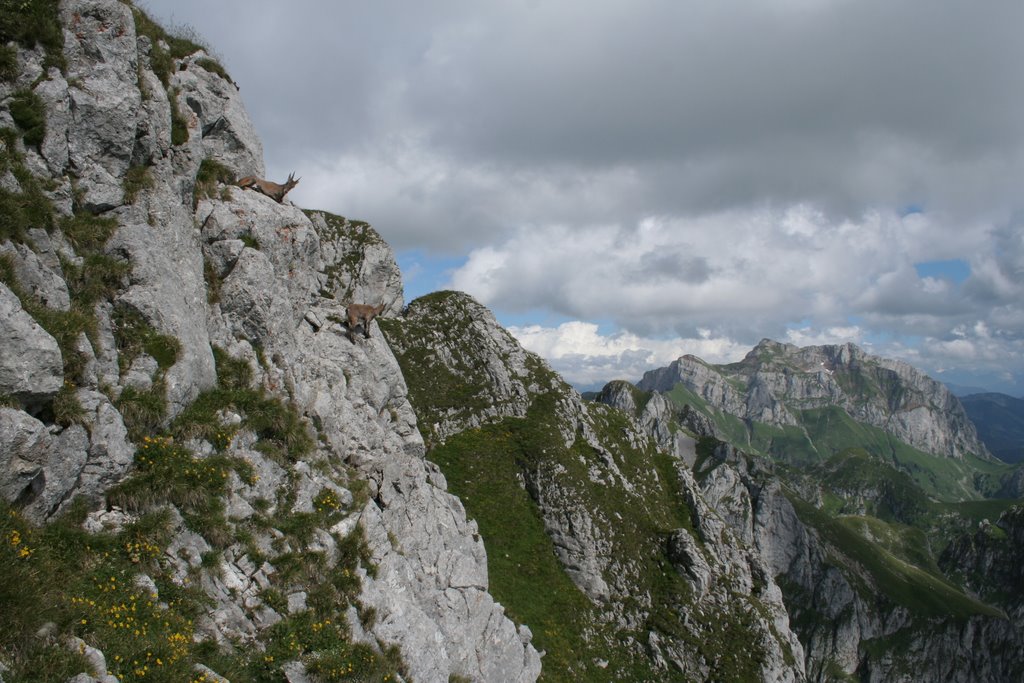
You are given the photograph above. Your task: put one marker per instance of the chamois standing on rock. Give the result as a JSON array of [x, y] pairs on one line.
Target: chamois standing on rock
[[363, 313], [275, 191]]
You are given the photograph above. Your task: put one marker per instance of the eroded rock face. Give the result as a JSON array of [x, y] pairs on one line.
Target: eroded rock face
[[217, 117], [39, 274], [430, 589], [267, 283], [372, 278], [104, 99], [39, 467], [31, 364]]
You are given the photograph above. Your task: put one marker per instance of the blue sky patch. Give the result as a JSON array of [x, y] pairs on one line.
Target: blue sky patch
[[956, 270], [423, 273]]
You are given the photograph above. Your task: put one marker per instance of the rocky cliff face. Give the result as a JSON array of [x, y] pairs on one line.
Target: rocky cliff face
[[859, 592], [776, 381], [671, 592], [175, 346]]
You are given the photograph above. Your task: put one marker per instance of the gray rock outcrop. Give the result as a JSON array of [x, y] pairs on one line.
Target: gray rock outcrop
[[266, 284], [31, 364]]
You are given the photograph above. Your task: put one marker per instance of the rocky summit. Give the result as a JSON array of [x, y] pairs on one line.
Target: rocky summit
[[777, 382], [209, 471]]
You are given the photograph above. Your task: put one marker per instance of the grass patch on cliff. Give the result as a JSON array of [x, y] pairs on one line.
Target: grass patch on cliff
[[99, 277], [172, 45], [136, 180], [86, 232], [179, 125], [167, 472], [27, 209], [214, 67], [8, 63], [144, 410], [323, 644], [29, 113], [84, 585], [482, 467], [34, 22], [134, 336], [212, 173], [232, 373], [283, 435]]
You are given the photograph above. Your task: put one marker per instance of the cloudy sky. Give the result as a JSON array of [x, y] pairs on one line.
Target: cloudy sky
[[626, 182]]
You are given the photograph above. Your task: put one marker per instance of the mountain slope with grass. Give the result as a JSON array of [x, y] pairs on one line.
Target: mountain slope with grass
[[597, 539], [201, 477], [886, 553]]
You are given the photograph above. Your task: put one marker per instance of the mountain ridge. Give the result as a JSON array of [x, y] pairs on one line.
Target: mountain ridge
[[658, 587], [776, 381]]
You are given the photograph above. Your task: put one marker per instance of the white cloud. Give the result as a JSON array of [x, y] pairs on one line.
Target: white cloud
[[807, 336], [742, 274], [739, 167], [585, 357]]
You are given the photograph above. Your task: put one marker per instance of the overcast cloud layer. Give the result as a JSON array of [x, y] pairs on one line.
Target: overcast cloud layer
[[669, 176]]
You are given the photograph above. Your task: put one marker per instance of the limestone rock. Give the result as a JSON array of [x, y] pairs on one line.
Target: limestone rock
[[217, 114], [254, 302], [358, 266], [168, 290], [432, 588], [101, 51], [37, 277], [39, 467], [110, 453], [31, 365]]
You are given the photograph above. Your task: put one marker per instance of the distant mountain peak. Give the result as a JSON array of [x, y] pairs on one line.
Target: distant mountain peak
[[776, 382]]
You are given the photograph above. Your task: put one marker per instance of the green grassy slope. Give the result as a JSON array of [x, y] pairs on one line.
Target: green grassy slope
[[503, 469]]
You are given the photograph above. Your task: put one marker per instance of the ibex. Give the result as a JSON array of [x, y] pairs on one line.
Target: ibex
[[272, 190], [364, 313]]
